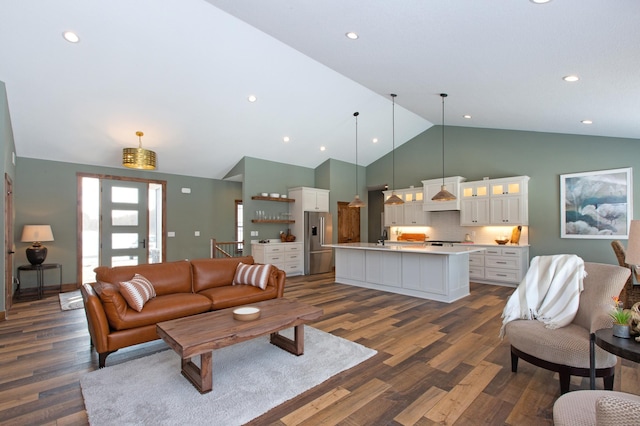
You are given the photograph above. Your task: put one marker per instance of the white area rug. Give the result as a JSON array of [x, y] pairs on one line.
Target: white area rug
[[70, 300], [249, 379]]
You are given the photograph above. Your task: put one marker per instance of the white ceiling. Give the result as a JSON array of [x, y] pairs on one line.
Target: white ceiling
[[181, 71]]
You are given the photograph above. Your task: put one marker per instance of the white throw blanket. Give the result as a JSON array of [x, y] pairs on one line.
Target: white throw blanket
[[550, 292]]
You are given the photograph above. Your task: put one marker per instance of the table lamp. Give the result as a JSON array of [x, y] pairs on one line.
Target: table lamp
[[36, 253]]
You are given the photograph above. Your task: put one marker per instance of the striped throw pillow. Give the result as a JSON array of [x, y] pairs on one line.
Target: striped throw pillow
[[255, 275], [137, 291]]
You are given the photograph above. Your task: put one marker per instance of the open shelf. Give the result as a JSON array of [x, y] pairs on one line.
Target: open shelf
[[282, 200], [272, 221]]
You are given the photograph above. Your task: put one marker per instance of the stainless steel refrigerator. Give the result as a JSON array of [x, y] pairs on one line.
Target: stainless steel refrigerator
[[317, 231]]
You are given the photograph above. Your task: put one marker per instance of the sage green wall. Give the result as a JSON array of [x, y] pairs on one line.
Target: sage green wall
[[268, 176], [475, 153], [45, 192], [6, 156]]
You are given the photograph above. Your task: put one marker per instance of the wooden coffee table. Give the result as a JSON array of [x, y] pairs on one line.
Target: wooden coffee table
[[201, 334]]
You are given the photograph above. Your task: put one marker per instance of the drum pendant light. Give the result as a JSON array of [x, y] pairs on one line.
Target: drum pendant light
[[357, 202], [139, 158], [394, 199], [443, 195]]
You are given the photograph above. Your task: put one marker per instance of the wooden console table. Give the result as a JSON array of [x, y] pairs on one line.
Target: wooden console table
[[39, 269]]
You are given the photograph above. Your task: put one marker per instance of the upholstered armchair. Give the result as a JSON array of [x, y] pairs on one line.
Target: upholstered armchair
[[565, 350], [596, 407]]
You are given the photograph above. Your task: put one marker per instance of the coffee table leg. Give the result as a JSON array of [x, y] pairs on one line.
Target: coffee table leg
[[201, 377], [295, 346]]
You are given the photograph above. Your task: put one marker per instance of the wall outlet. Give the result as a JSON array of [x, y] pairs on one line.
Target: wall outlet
[[171, 234], [197, 233]]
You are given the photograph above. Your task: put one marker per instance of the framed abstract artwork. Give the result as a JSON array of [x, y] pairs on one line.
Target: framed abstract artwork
[[596, 205]]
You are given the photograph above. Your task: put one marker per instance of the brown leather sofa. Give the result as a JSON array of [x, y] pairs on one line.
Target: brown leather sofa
[[182, 288]]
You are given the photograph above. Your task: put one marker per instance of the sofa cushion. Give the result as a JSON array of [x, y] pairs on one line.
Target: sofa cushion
[[209, 273], [236, 295], [167, 278], [137, 291], [255, 275], [158, 309]]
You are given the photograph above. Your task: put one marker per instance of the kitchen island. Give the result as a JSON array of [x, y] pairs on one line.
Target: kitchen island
[[428, 272]]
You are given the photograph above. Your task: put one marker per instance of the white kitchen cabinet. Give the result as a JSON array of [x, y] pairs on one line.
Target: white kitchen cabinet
[[286, 256], [384, 268], [509, 186], [508, 211], [414, 214], [495, 202], [432, 187], [502, 265], [311, 199], [350, 266], [411, 213], [475, 212]]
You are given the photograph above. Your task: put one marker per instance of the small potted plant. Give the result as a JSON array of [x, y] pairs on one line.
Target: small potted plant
[[621, 319]]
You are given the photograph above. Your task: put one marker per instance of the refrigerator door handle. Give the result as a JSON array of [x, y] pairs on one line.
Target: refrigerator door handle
[[321, 230]]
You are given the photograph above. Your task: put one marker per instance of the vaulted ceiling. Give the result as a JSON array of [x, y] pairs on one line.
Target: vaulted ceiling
[[181, 71]]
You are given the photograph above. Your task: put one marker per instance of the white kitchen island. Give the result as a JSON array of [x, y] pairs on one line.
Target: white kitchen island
[[436, 273]]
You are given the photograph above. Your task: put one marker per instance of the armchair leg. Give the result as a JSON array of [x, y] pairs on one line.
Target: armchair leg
[[565, 378], [514, 362]]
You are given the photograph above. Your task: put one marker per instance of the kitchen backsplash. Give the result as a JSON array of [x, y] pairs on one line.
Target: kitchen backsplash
[[445, 226]]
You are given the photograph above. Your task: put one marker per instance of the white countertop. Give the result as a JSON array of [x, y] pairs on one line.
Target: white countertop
[[406, 248]]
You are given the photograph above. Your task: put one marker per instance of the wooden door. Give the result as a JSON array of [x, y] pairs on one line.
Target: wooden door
[[8, 242], [348, 223]]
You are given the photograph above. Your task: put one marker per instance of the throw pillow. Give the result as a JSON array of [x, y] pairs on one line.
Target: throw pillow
[[137, 291], [255, 275]]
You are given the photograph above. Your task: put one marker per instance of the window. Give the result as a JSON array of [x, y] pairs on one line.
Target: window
[[239, 223]]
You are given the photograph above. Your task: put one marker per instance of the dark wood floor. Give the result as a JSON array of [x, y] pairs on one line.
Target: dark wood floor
[[437, 363]]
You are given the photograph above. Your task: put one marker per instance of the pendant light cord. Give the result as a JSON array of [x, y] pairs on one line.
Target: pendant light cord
[[443, 95], [356, 114], [393, 141]]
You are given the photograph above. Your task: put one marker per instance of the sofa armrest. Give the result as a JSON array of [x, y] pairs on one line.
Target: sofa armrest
[[280, 278], [96, 318]]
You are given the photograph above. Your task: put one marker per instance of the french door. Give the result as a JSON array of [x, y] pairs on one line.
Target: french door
[[121, 221]]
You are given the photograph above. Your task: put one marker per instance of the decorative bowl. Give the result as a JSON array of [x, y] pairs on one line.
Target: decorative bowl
[[264, 194], [274, 195], [283, 196], [246, 313], [503, 241]]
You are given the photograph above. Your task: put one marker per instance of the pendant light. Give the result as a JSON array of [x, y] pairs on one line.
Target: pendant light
[[443, 195], [394, 199], [357, 202], [139, 158]]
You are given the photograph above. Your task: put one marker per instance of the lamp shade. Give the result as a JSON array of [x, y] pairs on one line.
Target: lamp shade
[[36, 233], [36, 252], [633, 246]]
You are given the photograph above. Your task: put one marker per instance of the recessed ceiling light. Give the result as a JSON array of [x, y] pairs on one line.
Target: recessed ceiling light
[[375, 140], [322, 148], [571, 78], [586, 122], [286, 139], [252, 98], [467, 116], [351, 35], [539, 1], [71, 37]]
